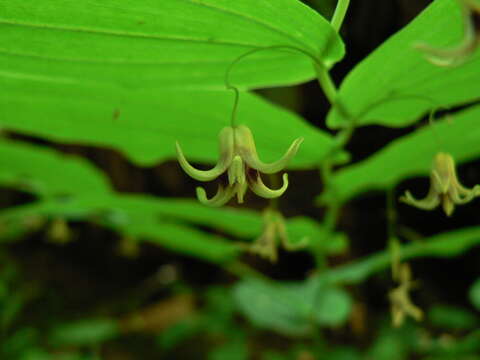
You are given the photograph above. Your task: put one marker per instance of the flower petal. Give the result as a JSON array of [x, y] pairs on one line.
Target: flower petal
[[221, 197], [246, 147], [430, 202], [259, 188], [240, 189], [226, 155]]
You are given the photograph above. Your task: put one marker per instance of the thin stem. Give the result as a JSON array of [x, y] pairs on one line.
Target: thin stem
[[229, 86], [394, 246], [326, 83], [243, 270], [233, 119], [391, 214], [339, 14]]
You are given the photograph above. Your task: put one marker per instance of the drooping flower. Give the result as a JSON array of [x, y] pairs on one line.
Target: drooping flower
[[240, 161], [274, 231], [400, 302], [456, 55], [444, 187]]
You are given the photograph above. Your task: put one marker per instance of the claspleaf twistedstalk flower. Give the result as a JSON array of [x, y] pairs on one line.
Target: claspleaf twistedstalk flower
[[400, 302], [444, 187], [274, 229], [239, 159]]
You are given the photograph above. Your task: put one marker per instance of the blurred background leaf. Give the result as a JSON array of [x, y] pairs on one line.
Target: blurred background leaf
[[474, 294], [452, 318], [48, 173], [291, 308]]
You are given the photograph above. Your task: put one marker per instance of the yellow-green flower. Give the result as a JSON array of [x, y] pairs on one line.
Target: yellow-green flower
[[274, 229], [444, 187], [456, 55], [400, 303], [239, 160]]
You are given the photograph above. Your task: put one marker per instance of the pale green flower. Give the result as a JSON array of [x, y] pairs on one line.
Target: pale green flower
[[444, 187], [274, 231], [239, 160], [400, 303]]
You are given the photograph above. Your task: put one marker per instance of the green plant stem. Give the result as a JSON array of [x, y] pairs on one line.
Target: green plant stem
[[243, 270], [436, 246], [326, 83], [339, 14], [391, 214]]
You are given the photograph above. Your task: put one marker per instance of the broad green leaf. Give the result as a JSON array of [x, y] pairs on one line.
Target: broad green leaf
[[332, 307], [84, 332], [449, 244], [159, 219], [273, 355], [46, 172], [395, 84], [461, 347], [394, 344], [19, 342], [344, 353], [145, 124], [139, 217], [452, 318], [474, 294], [303, 229], [174, 335], [235, 349], [163, 44], [291, 308], [412, 155], [164, 221]]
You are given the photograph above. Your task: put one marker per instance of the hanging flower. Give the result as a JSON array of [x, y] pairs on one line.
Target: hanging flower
[[274, 232], [400, 302], [239, 159], [456, 55], [444, 187]]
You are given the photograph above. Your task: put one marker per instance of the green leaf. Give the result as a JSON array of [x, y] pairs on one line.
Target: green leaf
[[394, 344], [19, 342], [448, 244], [139, 217], [291, 308], [84, 332], [163, 44], [174, 335], [302, 228], [235, 349], [145, 124], [395, 84], [144, 217], [344, 353], [46, 172], [452, 318], [332, 307], [474, 294], [413, 154], [273, 355]]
